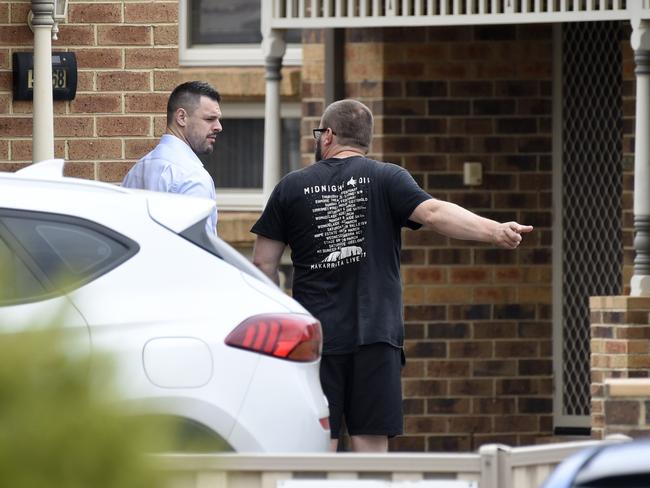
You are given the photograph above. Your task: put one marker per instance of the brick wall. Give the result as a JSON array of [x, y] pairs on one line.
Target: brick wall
[[127, 57], [478, 319], [620, 348], [627, 407]]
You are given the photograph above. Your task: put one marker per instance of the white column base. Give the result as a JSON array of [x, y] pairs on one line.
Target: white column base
[[640, 286]]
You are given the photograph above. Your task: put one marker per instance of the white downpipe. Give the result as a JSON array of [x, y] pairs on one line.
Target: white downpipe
[[43, 105], [274, 47]]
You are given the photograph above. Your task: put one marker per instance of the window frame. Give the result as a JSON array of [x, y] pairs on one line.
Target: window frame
[[240, 199], [228, 54], [53, 290]]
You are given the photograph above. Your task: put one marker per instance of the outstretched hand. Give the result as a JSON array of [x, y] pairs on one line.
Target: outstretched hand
[[508, 234]]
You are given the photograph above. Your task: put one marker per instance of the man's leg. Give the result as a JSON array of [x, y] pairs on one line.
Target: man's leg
[[333, 381], [369, 443], [375, 408]]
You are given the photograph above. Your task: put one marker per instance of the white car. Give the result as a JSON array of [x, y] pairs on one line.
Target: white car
[[197, 333]]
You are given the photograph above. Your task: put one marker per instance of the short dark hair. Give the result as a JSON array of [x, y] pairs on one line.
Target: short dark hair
[[187, 95], [352, 122]]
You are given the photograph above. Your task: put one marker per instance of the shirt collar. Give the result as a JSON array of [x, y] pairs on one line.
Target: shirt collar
[[179, 145]]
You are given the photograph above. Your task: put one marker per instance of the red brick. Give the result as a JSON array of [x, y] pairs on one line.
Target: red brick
[[94, 13], [482, 387], [448, 369], [92, 149], [498, 406], [494, 368], [126, 81], [470, 424], [136, 148], [123, 126], [424, 388], [4, 13], [99, 58], [79, 170], [516, 349], [490, 294], [407, 443], [21, 150], [516, 423], [493, 330], [12, 167], [165, 80], [4, 58], [419, 424], [16, 126], [413, 369], [114, 172], [5, 80], [5, 100], [73, 126], [96, 104], [151, 58], [470, 275], [19, 12], [4, 150], [151, 12], [146, 102], [508, 275], [74, 35], [85, 81], [159, 125], [418, 275], [471, 349], [16, 35], [165, 35], [118, 35]]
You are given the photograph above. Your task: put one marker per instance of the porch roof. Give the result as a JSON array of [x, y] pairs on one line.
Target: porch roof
[[317, 14]]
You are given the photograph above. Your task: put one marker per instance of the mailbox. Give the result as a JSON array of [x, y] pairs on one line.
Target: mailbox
[[64, 76]]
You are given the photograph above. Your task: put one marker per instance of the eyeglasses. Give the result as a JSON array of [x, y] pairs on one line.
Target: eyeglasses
[[317, 132]]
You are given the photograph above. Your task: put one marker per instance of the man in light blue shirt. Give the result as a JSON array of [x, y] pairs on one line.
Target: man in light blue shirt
[[193, 122]]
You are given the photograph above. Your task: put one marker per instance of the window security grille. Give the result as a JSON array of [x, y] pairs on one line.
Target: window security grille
[[592, 253]]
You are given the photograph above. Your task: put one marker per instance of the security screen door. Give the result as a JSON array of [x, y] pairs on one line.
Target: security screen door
[[588, 251]]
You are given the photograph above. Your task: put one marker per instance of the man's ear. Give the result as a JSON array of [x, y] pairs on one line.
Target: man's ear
[[181, 117]]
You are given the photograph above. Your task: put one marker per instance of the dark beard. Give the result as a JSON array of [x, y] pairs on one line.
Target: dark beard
[[318, 153]]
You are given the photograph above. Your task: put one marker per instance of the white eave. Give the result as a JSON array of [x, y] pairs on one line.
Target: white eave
[[317, 14]]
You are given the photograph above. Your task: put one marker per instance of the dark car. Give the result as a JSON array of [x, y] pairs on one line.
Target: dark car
[[619, 465]]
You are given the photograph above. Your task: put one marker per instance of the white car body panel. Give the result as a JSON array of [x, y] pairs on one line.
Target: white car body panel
[[164, 313]]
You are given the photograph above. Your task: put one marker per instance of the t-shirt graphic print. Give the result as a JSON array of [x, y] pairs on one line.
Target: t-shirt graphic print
[[339, 213]]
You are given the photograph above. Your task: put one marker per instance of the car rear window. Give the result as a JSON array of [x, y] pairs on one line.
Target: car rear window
[[197, 235], [62, 252]]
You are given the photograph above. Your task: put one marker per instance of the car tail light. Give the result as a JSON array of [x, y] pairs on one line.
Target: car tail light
[[288, 336], [324, 423]]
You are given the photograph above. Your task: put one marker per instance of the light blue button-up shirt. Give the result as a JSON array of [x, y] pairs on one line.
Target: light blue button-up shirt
[[173, 167]]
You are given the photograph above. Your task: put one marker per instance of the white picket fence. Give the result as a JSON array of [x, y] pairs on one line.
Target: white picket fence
[[494, 466]]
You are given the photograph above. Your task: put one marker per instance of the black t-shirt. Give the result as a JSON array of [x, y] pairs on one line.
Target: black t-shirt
[[342, 220]]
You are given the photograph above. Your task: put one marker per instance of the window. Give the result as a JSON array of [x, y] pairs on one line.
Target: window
[[17, 282], [236, 164], [227, 33], [64, 252]]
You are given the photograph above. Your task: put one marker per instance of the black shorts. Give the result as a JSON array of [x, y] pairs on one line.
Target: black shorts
[[365, 388]]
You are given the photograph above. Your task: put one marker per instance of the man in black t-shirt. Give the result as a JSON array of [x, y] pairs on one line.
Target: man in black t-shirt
[[342, 218]]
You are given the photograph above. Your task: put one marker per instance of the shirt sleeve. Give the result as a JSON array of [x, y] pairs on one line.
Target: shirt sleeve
[[404, 195], [272, 222]]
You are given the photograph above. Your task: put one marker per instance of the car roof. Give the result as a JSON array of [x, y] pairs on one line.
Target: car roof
[[176, 212], [616, 461]]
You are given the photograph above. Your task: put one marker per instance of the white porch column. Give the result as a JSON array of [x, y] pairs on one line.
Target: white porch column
[[43, 105], [640, 284], [273, 46]]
